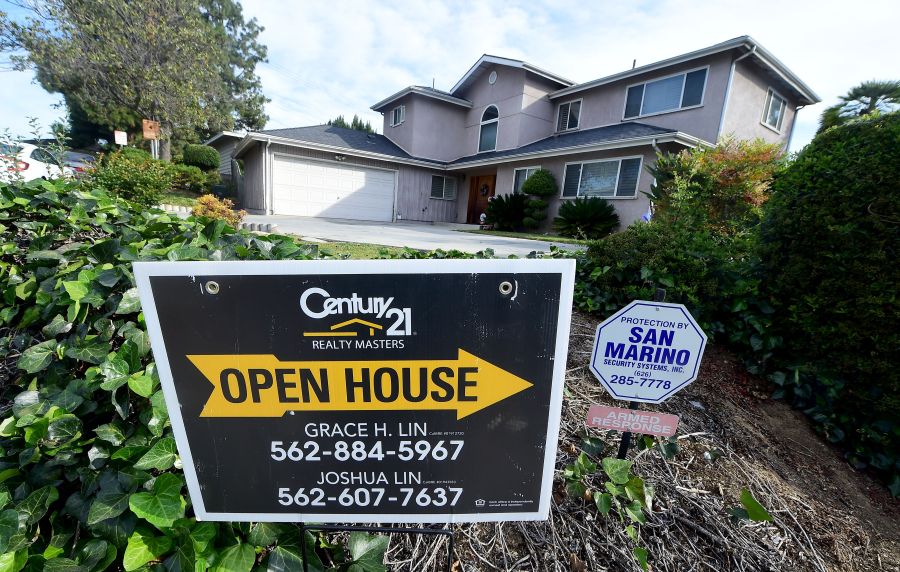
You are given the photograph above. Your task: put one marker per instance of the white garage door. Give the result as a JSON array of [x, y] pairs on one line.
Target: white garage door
[[312, 188]]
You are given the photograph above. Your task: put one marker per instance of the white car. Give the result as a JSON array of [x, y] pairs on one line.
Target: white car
[[27, 162]]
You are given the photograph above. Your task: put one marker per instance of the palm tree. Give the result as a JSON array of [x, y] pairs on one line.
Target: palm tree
[[869, 97]]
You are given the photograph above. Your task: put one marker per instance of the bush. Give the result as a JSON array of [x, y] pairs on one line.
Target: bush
[[133, 176], [829, 246], [540, 185], [506, 212], [84, 426], [202, 156], [210, 207], [132, 153], [722, 188], [189, 178], [586, 218]]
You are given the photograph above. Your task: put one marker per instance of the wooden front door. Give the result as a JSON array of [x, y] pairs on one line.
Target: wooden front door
[[480, 192]]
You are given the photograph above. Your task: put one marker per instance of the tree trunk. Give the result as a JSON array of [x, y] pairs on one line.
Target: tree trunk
[[165, 142]]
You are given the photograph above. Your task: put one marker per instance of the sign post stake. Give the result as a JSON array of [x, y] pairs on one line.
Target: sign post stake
[[659, 296]]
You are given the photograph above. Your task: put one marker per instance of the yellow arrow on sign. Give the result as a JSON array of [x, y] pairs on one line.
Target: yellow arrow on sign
[[264, 386]]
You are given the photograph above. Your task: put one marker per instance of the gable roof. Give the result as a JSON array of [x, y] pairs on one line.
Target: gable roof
[[487, 61], [422, 90], [746, 44], [616, 135], [224, 135]]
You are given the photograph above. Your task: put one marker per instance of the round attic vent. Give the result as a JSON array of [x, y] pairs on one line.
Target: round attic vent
[[492, 79]]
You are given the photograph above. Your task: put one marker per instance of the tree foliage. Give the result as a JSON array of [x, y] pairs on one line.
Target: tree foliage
[[355, 123], [867, 99], [185, 63]]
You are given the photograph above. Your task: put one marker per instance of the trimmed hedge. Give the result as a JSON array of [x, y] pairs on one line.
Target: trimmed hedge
[[830, 245], [202, 156]]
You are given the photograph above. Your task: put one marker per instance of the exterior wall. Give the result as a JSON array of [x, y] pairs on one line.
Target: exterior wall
[[538, 112], [629, 209], [605, 105], [506, 94], [414, 200], [225, 147], [401, 135], [747, 103], [253, 197]]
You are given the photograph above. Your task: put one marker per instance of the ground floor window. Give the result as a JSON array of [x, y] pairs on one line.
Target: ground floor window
[[521, 176], [443, 187], [612, 178]]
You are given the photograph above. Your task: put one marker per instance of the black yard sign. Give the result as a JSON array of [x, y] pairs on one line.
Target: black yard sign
[[363, 391]]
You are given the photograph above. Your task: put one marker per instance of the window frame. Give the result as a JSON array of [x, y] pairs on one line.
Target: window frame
[[770, 92], [580, 101], [443, 196], [481, 125], [681, 97], [402, 109], [562, 187], [517, 169]]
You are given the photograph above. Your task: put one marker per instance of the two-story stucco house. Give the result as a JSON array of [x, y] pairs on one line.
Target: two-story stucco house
[[443, 154]]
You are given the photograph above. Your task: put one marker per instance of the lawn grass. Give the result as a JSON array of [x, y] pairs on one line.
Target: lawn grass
[[528, 236], [354, 250], [179, 198]]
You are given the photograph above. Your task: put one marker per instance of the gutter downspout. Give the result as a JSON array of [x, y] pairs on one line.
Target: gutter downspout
[[787, 147], [267, 196], [728, 90]]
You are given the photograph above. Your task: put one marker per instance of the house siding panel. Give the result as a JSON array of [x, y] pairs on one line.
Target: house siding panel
[[605, 105], [747, 102], [414, 200], [253, 198]]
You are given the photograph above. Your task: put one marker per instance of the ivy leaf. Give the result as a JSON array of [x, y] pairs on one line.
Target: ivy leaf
[[164, 505], [603, 502], [617, 469], [161, 456], [111, 433], [58, 325], [640, 554], [96, 555], [62, 565], [160, 414], [368, 552], [130, 302], [755, 511], [128, 453], [635, 511], [76, 290], [202, 534], [38, 357], [287, 557], [36, 504], [9, 525], [91, 352], [64, 429], [144, 547], [13, 561], [115, 372], [237, 558], [109, 503], [143, 385]]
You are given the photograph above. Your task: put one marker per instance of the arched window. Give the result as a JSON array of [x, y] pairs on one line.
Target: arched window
[[487, 139]]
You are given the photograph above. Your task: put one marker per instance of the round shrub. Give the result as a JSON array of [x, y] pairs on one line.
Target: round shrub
[[829, 245], [586, 218], [540, 185], [220, 209], [134, 177], [189, 178], [506, 212], [202, 156]]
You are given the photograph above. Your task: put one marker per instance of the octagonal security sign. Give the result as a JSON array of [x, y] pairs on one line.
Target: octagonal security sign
[[647, 351]]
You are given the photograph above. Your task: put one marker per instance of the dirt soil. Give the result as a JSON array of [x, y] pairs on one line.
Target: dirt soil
[[827, 516]]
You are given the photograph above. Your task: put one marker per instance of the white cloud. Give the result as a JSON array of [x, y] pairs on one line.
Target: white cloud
[[340, 57]]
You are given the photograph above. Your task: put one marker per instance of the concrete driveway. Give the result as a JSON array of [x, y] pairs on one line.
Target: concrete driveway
[[418, 235]]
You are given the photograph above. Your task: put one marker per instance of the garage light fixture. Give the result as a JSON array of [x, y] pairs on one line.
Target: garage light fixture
[[339, 157]]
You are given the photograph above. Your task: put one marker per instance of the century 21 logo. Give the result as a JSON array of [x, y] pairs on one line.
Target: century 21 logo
[[318, 304]]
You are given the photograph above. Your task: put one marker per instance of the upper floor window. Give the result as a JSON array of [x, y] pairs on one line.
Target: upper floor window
[[773, 115], [616, 178], [667, 94], [487, 138], [568, 116], [398, 114]]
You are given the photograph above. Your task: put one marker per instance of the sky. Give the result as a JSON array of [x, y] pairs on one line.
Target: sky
[[340, 57]]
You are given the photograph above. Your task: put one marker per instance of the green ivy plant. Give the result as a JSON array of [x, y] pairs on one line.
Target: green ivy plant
[[90, 478]]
